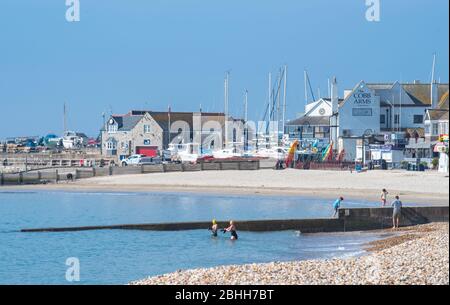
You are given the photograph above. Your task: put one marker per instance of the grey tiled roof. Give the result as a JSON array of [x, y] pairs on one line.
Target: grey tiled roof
[[127, 122], [420, 93], [443, 104], [437, 114], [380, 86]]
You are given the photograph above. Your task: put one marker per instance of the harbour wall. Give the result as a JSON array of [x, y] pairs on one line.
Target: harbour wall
[[352, 219], [65, 174]]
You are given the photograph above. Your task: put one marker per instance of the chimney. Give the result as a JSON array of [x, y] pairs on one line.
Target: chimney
[[434, 95], [334, 96]]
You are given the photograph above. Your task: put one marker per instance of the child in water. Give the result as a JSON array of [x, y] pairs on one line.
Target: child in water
[[214, 228], [232, 230]]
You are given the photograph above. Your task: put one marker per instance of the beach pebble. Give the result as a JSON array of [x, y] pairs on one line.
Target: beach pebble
[[422, 259]]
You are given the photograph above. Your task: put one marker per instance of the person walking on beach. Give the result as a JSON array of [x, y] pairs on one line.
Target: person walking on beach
[[337, 205], [384, 194], [397, 205], [232, 230]]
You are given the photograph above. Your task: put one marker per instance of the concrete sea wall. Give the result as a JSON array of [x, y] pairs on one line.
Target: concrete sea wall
[[357, 219], [56, 175]]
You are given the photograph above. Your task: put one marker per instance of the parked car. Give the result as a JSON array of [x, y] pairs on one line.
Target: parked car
[[166, 155], [150, 161], [132, 160]]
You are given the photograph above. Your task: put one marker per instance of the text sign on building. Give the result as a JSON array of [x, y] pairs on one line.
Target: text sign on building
[[362, 111], [362, 98], [363, 102]]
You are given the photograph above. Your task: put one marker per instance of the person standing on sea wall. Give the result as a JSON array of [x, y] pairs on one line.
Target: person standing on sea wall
[[337, 205], [384, 194], [397, 205]]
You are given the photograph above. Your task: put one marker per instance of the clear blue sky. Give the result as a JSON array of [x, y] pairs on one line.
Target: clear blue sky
[[127, 54]]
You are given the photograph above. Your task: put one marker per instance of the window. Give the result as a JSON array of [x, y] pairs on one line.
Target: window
[[444, 128], [308, 129], [147, 128], [435, 129], [382, 119], [362, 111], [418, 119], [396, 119], [111, 145], [112, 128]]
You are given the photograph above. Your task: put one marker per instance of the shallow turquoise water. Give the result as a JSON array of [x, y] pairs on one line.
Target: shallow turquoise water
[[117, 257]]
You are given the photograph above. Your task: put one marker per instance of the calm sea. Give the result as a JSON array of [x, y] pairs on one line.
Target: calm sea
[[117, 257]]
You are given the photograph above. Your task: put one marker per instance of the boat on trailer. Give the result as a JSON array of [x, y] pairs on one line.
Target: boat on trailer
[[184, 153]]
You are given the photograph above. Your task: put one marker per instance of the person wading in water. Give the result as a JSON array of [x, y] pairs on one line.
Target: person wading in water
[[214, 228], [232, 230]]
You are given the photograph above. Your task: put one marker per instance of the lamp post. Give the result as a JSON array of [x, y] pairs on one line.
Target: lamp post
[[101, 133], [367, 133]]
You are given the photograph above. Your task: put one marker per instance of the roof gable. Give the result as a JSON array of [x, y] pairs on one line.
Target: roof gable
[[322, 102], [361, 86]]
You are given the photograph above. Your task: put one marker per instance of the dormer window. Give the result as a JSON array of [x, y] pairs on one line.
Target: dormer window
[[112, 126]]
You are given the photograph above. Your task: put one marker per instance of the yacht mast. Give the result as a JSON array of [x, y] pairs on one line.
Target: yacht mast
[[270, 103], [433, 69], [226, 92], [284, 98], [245, 120], [306, 87], [278, 101], [65, 118]]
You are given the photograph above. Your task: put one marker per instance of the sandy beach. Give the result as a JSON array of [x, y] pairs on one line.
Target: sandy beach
[[419, 187], [418, 256]]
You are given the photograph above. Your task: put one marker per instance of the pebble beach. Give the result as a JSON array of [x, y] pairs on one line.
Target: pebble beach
[[416, 256]]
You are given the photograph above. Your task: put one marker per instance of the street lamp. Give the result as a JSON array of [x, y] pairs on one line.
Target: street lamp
[[367, 133]]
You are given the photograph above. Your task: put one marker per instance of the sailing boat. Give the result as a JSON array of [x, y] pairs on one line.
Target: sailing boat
[[70, 139]]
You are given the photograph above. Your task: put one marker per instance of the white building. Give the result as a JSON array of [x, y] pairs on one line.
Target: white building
[[436, 120], [436, 129], [378, 113]]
